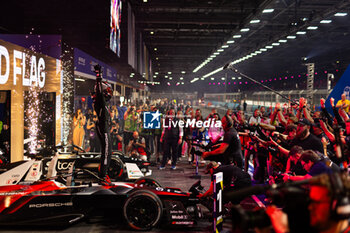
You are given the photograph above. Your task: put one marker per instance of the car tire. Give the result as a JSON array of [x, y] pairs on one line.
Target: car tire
[[142, 210], [147, 182]]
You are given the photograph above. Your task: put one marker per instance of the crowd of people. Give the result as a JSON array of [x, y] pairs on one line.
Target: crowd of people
[[289, 142], [129, 135], [275, 140]]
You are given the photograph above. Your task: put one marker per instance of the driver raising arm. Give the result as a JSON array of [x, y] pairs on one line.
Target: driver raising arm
[[103, 93]]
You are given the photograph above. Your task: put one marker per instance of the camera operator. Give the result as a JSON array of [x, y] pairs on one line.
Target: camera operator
[[313, 165], [130, 123], [294, 165], [117, 139], [137, 147], [230, 149], [324, 206], [233, 179], [303, 138]]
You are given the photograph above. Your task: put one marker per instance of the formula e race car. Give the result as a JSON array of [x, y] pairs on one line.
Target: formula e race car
[[50, 202]]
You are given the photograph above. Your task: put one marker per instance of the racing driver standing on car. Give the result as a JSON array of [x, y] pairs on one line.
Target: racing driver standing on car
[[101, 97]]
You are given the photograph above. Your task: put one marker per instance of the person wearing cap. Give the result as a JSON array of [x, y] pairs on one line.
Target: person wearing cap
[[305, 139], [233, 178]]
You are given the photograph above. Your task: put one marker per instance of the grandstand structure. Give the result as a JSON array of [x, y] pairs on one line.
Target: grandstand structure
[[260, 98]]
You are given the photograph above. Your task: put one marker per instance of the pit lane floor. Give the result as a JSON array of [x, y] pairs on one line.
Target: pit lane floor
[[180, 178]]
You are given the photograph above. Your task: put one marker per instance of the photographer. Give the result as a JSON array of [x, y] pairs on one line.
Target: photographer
[[325, 216], [130, 123], [313, 165], [116, 137], [137, 147]]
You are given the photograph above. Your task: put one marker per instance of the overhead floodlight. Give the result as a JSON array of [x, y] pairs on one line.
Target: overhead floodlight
[[312, 28], [291, 37], [169, 72], [268, 47], [230, 42], [182, 83], [282, 41], [170, 78], [239, 77], [193, 80], [212, 78], [214, 72], [268, 10], [220, 50], [263, 49], [154, 76], [340, 14], [301, 33], [216, 53], [223, 78], [155, 49], [236, 36], [304, 19], [326, 21], [183, 72], [202, 78], [154, 73], [255, 21], [212, 56], [181, 78], [258, 52], [166, 76], [233, 78], [245, 29], [276, 44], [225, 46]]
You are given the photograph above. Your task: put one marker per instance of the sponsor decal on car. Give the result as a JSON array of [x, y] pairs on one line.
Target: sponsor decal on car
[[43, 205]]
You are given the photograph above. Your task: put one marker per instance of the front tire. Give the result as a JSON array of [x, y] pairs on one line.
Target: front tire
[[142, 210]]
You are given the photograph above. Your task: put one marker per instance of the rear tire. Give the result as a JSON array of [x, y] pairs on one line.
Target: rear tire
[[142, 210]]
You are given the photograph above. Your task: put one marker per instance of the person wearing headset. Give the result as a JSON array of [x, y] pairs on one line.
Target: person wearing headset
[[229, 150], [329, 209]]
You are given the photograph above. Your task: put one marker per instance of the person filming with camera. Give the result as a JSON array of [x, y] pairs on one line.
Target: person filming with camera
[[229, 150], [137, 147], [329, 207]]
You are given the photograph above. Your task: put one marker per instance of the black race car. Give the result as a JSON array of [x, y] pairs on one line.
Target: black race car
[[49, 201]]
